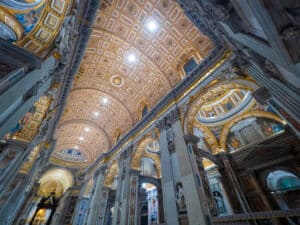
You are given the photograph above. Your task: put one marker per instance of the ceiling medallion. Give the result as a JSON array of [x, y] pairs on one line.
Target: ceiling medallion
[[117, 81]]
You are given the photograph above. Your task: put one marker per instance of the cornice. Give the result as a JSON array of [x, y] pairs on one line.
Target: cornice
[[88, 16]]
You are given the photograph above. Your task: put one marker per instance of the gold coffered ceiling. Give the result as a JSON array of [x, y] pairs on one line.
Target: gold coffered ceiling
[[135, 56]]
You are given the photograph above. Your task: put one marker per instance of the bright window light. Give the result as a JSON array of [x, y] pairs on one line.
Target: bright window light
[[105, 100], [131, 58], [152, 26]]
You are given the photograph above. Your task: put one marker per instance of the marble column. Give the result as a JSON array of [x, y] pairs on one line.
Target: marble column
[[125, 156], [95, 197], [21, 96], [79, 215], [103, 206], [29, 207], [59, 214], [23, 189], [207, 199], [161, 216], [199, 200], [10, 162], [230, 173], [167, 174], [184, 183], [132, 199], [122, 188], [16, 186], [262, 195], [194, 192], [281, 98], [107, 219]]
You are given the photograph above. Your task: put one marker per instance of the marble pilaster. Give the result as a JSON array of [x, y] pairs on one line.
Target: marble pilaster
[[11, 161], [284, 100], [167, 179], [181, 183], [80, 217], [235, 183], [125, 156], [103, 206], [95, 197], [132, 200], [122, 188], [196, 189], [208, 202]]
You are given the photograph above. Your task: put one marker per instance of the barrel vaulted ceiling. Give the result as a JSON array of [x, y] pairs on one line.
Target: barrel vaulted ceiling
[[135, 56]]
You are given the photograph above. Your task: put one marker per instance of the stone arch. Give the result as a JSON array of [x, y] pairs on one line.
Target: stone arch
[[209, 158], [56, 180], [197, 101], [265, 173], [226, 128], [141, 153], [276, 178], [209, 137], [150, 180]]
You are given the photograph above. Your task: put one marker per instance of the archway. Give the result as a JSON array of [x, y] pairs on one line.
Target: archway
[[282, 181], [284, 187], [52, 186], [147, 148], [150, 201]]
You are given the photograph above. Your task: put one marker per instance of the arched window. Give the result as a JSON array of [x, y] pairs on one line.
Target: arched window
[[189, 66], [281, 180], [145, 111], [117, 135]]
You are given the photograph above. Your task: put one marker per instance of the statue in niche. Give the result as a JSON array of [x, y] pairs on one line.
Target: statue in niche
[[180, 199], [170, 135], [219, 202], [67, 34]]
